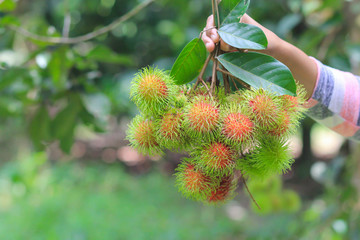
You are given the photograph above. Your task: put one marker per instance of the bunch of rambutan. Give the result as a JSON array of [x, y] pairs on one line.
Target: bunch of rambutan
[[243, 134]]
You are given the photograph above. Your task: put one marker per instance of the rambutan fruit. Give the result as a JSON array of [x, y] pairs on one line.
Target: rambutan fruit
[[192, 182], [152, 90], [271, 156], [201, 118], [216, 158], [293, 106], [283, 126], [223, 192], [142, 136], [265, 107], [237, 128], [170, 134]]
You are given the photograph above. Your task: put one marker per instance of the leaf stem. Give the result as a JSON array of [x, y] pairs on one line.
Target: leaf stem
[[233, 77]]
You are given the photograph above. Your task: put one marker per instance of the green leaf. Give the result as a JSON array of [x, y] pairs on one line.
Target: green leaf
[[7, 5], [39, 128], [59, 66], [189, 63], [231, 11], [260, 71], [104, 54], [64, 123], [242, 35]]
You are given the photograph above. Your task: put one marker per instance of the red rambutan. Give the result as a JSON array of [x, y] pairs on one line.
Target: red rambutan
[[192, 182], [223, 192], [202, 118], [217, 159]]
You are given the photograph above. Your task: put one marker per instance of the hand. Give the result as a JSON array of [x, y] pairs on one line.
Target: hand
[[210, 36]]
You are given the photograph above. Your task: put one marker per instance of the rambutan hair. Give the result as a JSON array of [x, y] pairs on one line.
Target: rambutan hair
[[192, 182], [265, 108], [142, 136], [237, 128], [271, 156], [152, 90], [215, 158], [202, 118], [169, 130], [224, 191]]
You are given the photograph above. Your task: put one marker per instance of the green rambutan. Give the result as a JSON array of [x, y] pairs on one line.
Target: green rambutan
[[223, 192], [142, 136], [216, 159], [237, 128], [271, 156], [192, 182], [170, 134], [201, 118], [152, 90]]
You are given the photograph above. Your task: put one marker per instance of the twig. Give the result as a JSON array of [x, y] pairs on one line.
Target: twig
[[247, 189], [233, 81], [233, 77], [201, 73], [67, 20], [85, 37]]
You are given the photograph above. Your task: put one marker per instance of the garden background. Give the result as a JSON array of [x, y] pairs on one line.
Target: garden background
[[66, 170]]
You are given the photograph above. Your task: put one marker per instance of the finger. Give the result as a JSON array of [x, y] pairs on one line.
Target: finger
[[226, 47], [209, 43], [212, 33]]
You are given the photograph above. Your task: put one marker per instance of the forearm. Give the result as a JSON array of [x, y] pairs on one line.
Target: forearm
[[303, 68]]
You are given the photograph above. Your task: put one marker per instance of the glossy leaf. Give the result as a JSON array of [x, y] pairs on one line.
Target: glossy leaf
[[231, 11], [242, 35], [189, 63], [260, 71]]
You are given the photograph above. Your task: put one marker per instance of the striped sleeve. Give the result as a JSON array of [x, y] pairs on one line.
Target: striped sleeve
[[335, 102]]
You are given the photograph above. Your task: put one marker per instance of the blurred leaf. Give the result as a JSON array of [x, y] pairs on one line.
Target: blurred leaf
[[231, 11], [7, 5], [189, 63], [59, 66], [287, 23], [260, 71], [65, 121], [39, 128], [12, 75], [104, 54], [244, 36], [9, 20], [98, 105]]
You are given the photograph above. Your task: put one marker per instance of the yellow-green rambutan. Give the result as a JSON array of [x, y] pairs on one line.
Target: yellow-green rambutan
[[152, 90], [170, 132], [265, 108], [142, 136]]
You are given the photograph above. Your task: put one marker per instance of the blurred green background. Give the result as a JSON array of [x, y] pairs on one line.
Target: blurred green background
[[66, 171]]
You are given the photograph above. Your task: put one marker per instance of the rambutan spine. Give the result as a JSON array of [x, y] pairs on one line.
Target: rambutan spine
[[142, 136], [192, 182], [202, 118], [215, 158], [152, 90], [271, 156]]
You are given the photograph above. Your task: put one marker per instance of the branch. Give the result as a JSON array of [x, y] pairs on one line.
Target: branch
[[85, 37]]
